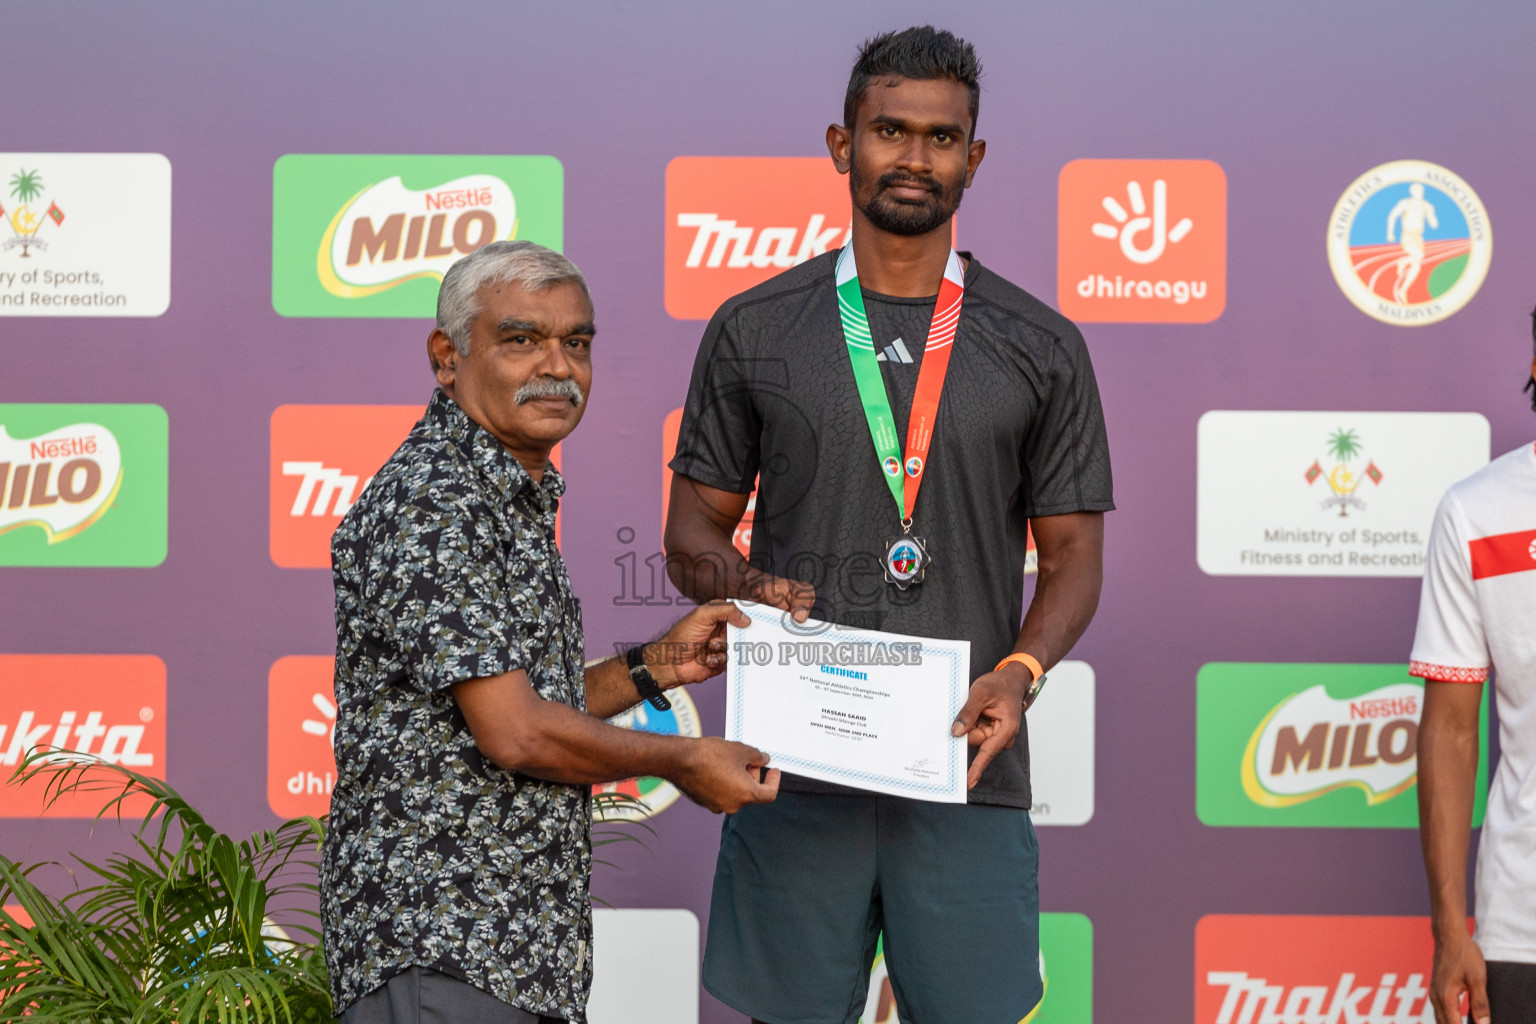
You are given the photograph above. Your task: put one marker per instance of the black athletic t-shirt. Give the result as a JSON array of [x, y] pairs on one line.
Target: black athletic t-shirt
[[1020, 433]]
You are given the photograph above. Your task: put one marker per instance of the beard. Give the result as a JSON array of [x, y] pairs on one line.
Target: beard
[[901, 216]]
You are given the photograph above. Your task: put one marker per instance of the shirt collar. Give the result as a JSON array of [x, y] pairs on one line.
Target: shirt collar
[[488, 455]]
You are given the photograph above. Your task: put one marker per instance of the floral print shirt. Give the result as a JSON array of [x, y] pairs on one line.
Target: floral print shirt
[[446, 570]]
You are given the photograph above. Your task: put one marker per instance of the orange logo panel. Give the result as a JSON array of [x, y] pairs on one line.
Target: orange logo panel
[[322, 458], [301, 728], [733, 222], [110, 705], [742, 538], [1374, 970], [1142, 241]]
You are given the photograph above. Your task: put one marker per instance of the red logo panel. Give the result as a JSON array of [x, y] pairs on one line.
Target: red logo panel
[[1366, 970], [733, 222], [301, 728], [1503, 553], [110, 705]]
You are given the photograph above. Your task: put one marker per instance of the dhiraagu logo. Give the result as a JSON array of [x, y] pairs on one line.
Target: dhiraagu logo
[[1066, 972], [1312, 746], [83, 485], [361, 236]]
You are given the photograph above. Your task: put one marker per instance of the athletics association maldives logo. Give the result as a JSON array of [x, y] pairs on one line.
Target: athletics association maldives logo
[[1344, 450], [373, 235], [1142, 241], [649, 796], [1409, 243], [28, 216]]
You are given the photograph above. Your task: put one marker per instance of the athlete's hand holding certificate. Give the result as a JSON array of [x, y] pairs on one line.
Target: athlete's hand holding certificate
[[862, 708]]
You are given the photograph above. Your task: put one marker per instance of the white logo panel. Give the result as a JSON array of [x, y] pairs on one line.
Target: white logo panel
[[1061, 735], [1327, 493], [85, 234]]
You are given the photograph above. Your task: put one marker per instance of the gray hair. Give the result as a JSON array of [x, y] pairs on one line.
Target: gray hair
[[525, 263]]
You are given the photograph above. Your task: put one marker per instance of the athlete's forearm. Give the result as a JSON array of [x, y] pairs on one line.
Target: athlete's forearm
[[1447, 760], [1071, 574]]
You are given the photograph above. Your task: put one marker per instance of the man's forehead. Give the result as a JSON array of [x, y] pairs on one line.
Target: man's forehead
[[556, 309], [925, 101]]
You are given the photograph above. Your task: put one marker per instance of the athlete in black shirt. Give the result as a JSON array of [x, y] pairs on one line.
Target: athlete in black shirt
[[805, 885]]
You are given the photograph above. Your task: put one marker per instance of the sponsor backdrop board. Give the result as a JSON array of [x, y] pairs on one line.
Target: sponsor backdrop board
[[372, 235], [85, 234], [84, 484], [1330, 746], [1285, 968], [274, 229], [1327, 493]]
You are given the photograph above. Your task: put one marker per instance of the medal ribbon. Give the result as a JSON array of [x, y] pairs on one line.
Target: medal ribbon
[[904, 477]]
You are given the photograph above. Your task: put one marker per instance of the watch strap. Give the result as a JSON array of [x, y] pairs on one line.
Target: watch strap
[[644, 682]]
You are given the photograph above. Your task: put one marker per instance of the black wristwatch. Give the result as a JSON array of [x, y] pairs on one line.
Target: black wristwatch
[[644, 681]]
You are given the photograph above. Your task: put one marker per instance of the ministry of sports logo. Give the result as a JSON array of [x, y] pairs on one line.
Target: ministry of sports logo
[[28, 217], [1344, 450], [1409, 242]]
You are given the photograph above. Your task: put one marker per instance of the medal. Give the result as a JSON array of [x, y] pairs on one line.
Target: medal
[[906, 557]]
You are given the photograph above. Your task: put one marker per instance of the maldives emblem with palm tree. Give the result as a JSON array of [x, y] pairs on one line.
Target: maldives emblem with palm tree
[[25, 219], [1344, 450]]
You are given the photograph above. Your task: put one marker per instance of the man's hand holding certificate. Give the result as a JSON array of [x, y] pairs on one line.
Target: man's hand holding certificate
[[862, 708]]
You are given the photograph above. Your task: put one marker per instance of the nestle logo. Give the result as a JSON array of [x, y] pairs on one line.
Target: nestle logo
[[451, 199], [58, 448], [1387, 707]]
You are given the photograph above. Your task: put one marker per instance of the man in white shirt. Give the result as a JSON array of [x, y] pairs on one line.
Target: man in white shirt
[[1478, 613]]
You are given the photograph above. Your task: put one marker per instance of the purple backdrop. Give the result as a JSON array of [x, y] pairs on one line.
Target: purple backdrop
[[1292, 100]]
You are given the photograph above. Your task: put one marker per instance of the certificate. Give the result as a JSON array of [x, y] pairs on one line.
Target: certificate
[[858, 707]]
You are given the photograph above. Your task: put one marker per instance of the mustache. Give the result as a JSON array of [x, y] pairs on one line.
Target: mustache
[[549, 387], [893, 179]]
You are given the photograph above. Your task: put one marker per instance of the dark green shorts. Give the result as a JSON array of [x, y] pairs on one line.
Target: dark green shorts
[[805, 885]]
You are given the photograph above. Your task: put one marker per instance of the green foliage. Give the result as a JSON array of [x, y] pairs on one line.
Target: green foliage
[[183, 932], [180, 933]]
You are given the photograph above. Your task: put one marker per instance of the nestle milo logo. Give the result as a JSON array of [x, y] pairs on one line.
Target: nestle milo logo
[[83, 485], [1312, 744], [60, 482], [388, 234], [373, 235]]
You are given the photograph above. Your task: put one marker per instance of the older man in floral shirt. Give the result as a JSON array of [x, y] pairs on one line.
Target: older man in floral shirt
[[454, 882]]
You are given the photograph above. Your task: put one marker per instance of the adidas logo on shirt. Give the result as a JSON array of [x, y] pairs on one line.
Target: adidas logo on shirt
[[895, 352]]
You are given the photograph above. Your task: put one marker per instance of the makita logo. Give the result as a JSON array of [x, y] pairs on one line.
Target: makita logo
[[721, 242], [62, 481], [116, 744], [1253, 1000], [323, 458], [1311, 744], [323, 490], [732, 222]]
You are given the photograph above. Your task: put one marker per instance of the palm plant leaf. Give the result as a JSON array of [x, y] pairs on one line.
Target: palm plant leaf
[[175, 933]]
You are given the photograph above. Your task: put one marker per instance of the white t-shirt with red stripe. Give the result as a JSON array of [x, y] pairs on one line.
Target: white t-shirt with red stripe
[[1478, 612]]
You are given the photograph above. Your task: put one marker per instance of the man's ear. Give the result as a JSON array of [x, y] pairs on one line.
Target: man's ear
[[973, 155], [443, 356], [840, 145]]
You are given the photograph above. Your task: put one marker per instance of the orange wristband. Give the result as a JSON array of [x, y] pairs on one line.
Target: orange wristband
[[1036, 670]]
